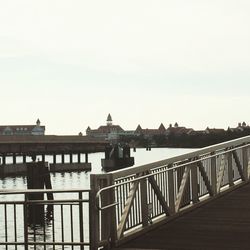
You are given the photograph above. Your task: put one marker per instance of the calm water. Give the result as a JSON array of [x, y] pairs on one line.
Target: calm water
[[81, 179]]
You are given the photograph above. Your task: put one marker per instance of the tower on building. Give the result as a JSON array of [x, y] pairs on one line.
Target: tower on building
[[109, 120]]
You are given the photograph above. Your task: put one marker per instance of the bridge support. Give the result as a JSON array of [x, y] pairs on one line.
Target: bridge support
[[63, 159], [71, 158], [43, 157], [54, 158], [79, 157], [3, 159], [14, 158]]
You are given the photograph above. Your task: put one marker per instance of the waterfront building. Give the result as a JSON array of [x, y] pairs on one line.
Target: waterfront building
[[108, 131], [178, 130], [149, 133], [36, 129], [214, 130]]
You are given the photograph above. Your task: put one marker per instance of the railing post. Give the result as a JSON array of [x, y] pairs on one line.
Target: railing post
[[144, 203], [171, 190], [194, 183], [213, 174], [230, 169], [112, 213], [25, 223], [245, 162], [94, 218], [81, 231], [103, 223]]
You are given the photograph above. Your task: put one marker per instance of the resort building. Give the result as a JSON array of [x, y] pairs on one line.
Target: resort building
[[23, 129], [108, 131]]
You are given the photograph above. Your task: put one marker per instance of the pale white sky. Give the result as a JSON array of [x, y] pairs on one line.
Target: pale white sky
[[70, 63]]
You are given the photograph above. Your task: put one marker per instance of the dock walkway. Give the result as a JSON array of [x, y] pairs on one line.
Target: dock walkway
[[223, 223]]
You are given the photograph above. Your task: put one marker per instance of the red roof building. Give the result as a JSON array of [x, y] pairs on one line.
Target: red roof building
[[104, 131], [23, 129]]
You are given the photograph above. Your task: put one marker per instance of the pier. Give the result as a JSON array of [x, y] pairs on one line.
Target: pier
[[43, 145], [197, 200]]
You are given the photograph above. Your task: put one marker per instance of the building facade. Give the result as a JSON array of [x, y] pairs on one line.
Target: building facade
[[36, 129]]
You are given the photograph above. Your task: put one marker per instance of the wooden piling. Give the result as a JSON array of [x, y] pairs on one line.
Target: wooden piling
[[38, 177]]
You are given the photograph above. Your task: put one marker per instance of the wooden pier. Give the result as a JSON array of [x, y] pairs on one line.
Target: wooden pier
[[44, 145]]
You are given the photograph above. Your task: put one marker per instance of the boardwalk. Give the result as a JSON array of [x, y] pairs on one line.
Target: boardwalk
[[223, 223], [195, 201]]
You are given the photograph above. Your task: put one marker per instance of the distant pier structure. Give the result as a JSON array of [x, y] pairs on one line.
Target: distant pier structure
[[74, 147], [117, 156]]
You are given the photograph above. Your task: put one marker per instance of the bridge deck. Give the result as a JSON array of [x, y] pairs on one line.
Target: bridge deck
[[220, 224]]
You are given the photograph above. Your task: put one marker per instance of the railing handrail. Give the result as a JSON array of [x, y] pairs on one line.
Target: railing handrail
[[195, 160], [31, 191], [206, 150]]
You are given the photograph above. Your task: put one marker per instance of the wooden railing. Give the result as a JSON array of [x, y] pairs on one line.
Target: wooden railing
[[132, 201]]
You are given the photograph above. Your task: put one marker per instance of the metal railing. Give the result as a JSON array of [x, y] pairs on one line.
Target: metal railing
[[121, 204], [62, 223], [135, 200]]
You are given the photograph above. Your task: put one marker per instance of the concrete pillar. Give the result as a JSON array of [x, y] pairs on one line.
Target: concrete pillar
[[86, 158], [63, 159], [54, 158], [71, 158]]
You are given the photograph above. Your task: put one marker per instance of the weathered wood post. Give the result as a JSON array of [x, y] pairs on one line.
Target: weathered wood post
[[34, 181], [38, 177]]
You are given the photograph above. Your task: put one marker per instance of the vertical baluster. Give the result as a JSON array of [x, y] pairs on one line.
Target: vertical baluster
[[53, 226], [118, 208], [44, 233], [6, 223], [25, 224], [62, 226], [71, 225], [81, 219], [15, 226]]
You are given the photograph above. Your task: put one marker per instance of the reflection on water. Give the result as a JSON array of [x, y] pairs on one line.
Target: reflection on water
[[65, 225]]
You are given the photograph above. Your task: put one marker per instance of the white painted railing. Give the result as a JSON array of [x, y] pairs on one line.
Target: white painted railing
[[134, 200]]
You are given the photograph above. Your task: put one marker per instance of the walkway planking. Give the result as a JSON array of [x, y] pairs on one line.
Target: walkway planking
[[223, 223]]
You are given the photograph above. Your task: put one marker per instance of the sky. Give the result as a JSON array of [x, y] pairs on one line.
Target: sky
[[70, 63]]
